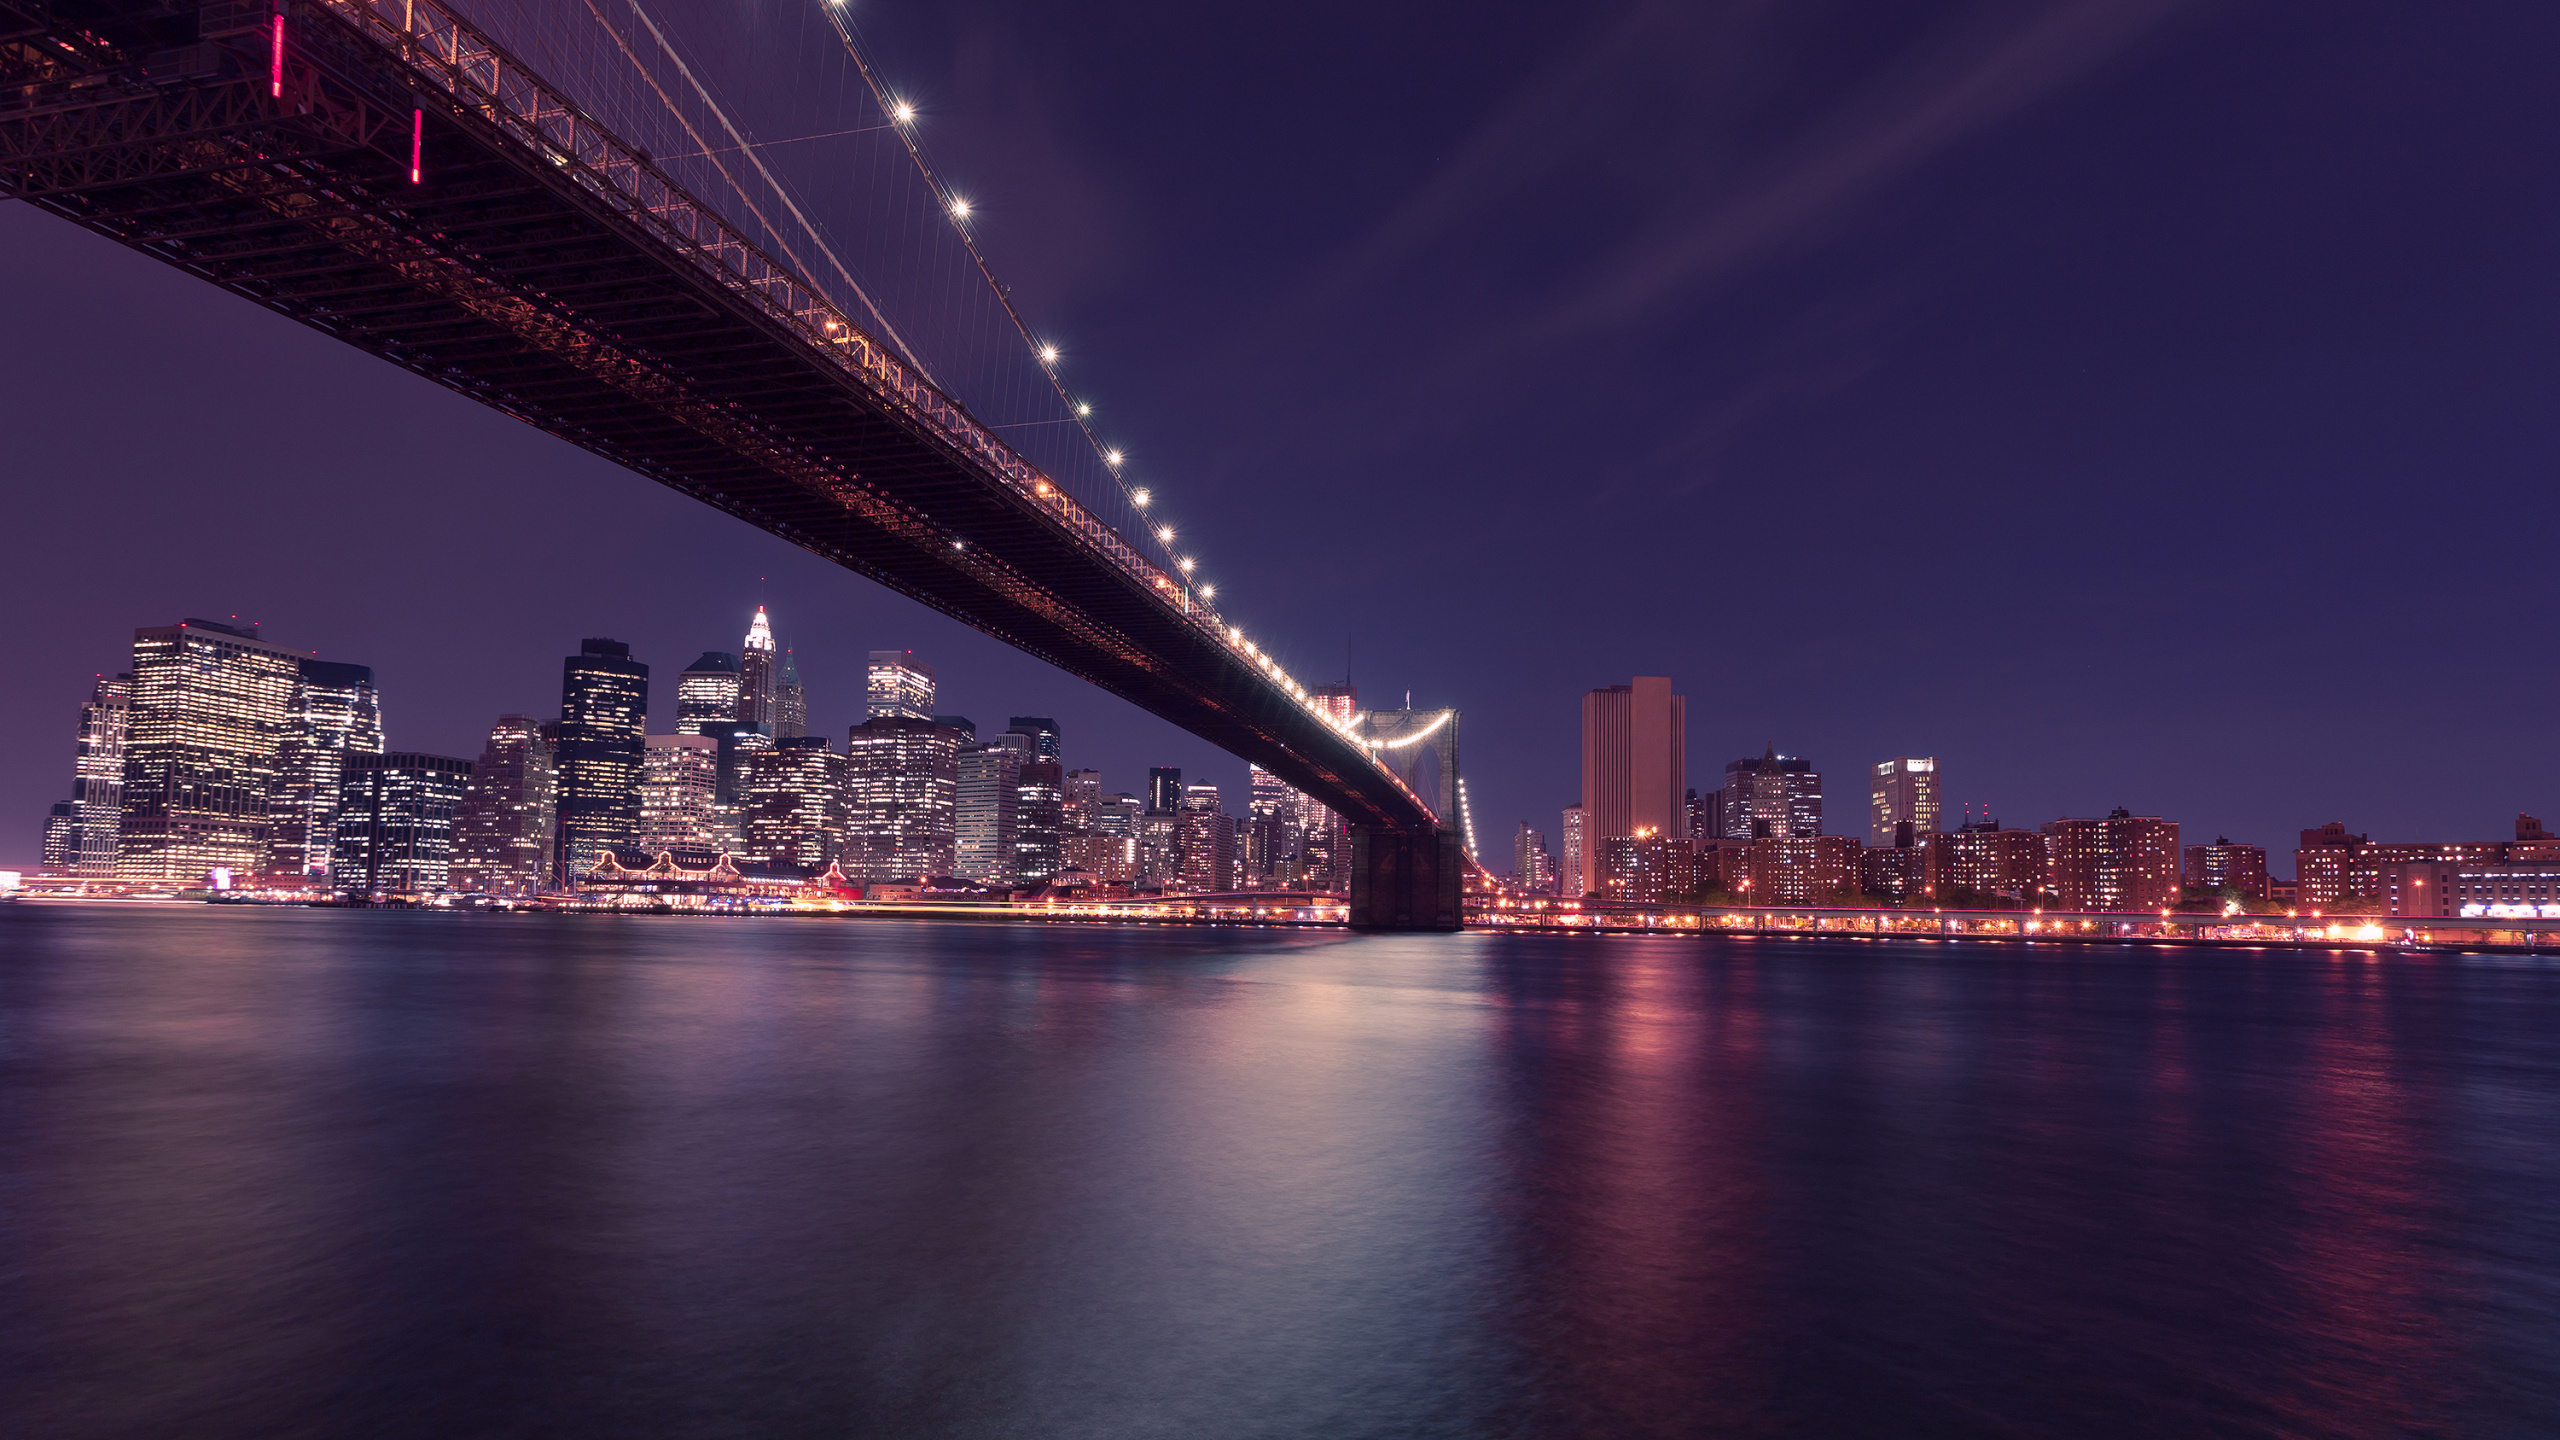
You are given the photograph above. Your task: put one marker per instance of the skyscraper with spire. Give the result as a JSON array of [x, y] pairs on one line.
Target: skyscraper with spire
[[759, 675]]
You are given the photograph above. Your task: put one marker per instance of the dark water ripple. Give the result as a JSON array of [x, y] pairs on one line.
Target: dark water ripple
[[300, 1173]]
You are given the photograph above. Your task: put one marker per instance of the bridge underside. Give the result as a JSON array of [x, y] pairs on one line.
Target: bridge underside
[[504, 275]]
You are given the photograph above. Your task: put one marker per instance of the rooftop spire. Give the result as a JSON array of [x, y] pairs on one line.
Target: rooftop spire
[[760, 634]]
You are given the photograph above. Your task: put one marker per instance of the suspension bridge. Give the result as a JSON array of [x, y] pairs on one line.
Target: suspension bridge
[[387, 173]]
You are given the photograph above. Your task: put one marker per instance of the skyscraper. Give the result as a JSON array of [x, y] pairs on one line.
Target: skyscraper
[[790, 702], [1164, 788], [759, 675], [1206, 836], [393, 824], [97, 780], [902, 786], [1576, 879], [680, 794], [604, 727], [899, 684], [1532, 868], [989, 811], [707, 694], [1039, 799], [208, 717], [335, 711], [504, 829], [1079, 802], [796, 803], [1775, 797], [1633, 764], [61, 850], [1903, 802], [1040, 730]]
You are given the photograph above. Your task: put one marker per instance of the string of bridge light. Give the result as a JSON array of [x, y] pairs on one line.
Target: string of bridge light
[[956, 209]]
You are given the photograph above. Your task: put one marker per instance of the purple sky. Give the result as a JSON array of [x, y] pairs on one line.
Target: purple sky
[[2131, 402]]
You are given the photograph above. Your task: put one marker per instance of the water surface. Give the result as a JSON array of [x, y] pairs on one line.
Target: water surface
[[313, 1173]]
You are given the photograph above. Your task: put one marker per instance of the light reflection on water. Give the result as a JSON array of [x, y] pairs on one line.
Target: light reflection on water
[[273, 1172]]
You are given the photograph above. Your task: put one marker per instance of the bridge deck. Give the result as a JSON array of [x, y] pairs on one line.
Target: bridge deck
[[541, 266]]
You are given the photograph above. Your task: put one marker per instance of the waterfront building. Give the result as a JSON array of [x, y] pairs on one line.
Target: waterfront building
[[759, 675], [1575, 882], [680, 793], [707, 694], [1902, 801], [208, 718], [790, 702], [1647, 868], [2338, 871], [899, 684], [1774, 797], [505, 827], [97, 784], [795, 805], [1896, 872], [2223, 865], [1109, 859], [1159, 847], [604, 728], [1634, 765], [61, 846], [2124, 862], [902, 784], [1981, 861], [1205, 839], [988, 816], [2472, 890], [393, 826], [1801, 870], [1039, 799], [335, 711], [1532, 868]]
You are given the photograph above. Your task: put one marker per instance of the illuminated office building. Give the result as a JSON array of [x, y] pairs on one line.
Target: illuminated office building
[[1902, 802], [1164, 789], [394, 822], [1775, 797], [897, 683], [1634, 762], [61, 845], [208, 718], [506, 825], [1205, 837], [335, 711], [1575, 879], [1039, 799], [97, 784], [604, 729], [790, 702], [988, 813], [1080, 803], [759, 675], [795, 808], [902, 784], [680, 794], [1532, 868], [1040, 730], [707, 694]]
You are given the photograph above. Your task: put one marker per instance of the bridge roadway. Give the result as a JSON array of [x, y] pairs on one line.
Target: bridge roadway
[[542, 266]]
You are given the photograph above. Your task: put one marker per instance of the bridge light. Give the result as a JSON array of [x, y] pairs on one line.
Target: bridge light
[[1140, 496], [959, 208], [1049, 353], [1165, 534], [1084, 409], [905, 112], [1187, 563], [1208, 592], [1112, 458]]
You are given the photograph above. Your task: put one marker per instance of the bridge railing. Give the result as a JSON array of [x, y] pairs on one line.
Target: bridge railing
[[449, 55]]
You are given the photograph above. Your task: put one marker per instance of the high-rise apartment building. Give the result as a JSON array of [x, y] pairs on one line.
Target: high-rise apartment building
[[2124, 862], [1634, 766], [335, 712], [1801, 870], [1775, 797], [902, 783], [1576, 879], [1646, 868], [759, 675], [1902, 802], [989, 812], [2224, 865], [680, 794], [604, 731], [1981, 861], [707, 694], [506, 825], [795, 812], [1206, 838], [393, 824], [790, 702], [208, 718], [97, 781], [1080, 803], [1039, 800], [899, 684]]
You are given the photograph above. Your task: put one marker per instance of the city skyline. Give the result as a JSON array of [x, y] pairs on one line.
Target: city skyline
[[1911, 371]]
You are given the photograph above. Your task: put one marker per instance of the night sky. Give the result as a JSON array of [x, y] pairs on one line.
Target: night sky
[[2130, 402]]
